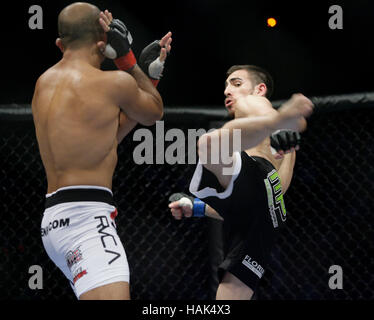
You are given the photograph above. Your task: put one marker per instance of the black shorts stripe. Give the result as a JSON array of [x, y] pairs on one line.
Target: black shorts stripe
[[78, 195]]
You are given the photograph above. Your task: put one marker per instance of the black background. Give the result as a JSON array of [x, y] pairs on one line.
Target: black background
[[303, 55], [209, 36]]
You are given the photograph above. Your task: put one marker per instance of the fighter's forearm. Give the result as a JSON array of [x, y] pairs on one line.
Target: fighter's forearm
[[252, 130], [145, 84], [285, 170], [211, 213], [240, 134]]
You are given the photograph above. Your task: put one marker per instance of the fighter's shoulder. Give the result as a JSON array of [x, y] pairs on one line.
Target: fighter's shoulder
[[257, 100], [45, 80], [116, 74], [118, 79], [46, 76]]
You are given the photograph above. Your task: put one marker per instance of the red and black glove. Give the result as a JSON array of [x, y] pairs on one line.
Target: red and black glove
[[118, 46]]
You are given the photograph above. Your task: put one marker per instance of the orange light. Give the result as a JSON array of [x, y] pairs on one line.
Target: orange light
[[271, 22]]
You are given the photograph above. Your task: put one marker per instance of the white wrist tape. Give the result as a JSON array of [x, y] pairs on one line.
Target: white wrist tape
[[155, 69], [109, 52], [185, 202]]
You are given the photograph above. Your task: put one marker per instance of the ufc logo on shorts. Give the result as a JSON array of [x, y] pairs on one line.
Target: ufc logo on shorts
[[104, 223]]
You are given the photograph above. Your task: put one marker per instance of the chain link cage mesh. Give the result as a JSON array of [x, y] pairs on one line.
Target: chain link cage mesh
[[330, 218]]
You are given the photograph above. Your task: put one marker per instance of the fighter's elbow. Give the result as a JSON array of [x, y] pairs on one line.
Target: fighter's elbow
[[159, 114], [151, 118]]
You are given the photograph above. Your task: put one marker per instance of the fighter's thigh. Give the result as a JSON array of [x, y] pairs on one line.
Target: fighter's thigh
[[222, 173], [98, 259], [225, 171], [113, 291], [232, 288]]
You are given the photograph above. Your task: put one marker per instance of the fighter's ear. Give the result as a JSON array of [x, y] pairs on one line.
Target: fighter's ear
[[59, 44], [101, 45], [261, 89]]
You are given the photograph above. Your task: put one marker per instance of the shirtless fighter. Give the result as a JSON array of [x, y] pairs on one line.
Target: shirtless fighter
[[249, 199], [81, 113]]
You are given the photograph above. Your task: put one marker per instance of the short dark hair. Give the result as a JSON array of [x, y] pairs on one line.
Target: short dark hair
[[79, 25], [257, 74]]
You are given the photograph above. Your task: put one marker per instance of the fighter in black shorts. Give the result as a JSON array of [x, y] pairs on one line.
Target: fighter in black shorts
[[245, 186]]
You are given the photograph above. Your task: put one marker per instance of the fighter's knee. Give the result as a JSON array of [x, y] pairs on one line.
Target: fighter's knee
[[204, 146], [231, 288], [113, 291]]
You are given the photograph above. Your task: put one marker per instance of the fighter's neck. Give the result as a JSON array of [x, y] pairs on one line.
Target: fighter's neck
[[84, 55]]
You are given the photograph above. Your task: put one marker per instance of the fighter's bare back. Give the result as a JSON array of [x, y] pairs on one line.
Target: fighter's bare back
[[76, 120]]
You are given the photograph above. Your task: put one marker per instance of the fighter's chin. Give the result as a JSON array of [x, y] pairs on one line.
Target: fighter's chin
[[231, 114]]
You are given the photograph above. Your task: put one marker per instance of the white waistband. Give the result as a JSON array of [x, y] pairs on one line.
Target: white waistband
[[78, 187]]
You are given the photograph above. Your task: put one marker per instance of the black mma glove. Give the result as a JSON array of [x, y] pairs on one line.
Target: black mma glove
[[149, 62], [285, 140], [118, 46], [197, 206]]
